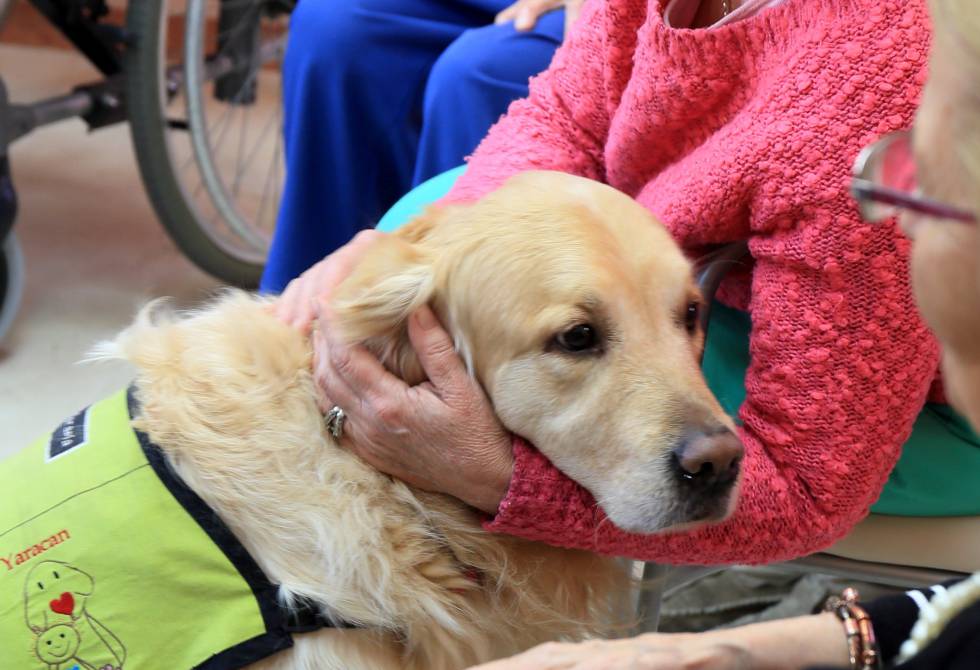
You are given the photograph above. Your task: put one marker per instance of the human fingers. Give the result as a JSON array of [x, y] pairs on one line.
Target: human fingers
[[507, 14], [378, 425], [331, 388], [354, 372], [297, 304], [573, 8], [525, 13], [359, 434], [437, 353]]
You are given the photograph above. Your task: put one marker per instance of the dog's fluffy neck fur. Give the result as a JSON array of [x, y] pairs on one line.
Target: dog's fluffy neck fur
[[228, 395]]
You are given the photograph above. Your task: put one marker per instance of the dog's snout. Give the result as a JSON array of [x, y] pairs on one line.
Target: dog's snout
[[709, 457]]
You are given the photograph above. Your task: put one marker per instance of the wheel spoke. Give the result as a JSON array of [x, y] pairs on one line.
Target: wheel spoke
[[198, 189], [242, 135], [270, 124], [239, 26], [216, 144], [280, 176], [235, 157], [265, 189]]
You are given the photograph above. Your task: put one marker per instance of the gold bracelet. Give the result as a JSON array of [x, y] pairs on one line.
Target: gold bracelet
[[862, 649]]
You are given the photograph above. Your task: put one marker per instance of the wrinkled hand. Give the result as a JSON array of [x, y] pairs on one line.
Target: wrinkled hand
[[441, 435], [525, 13], [297, 304], [647, 652]]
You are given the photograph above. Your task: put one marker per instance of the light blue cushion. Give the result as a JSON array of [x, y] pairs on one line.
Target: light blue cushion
[[412, 203]]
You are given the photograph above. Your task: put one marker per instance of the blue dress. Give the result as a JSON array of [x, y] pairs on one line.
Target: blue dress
[[380, 95]]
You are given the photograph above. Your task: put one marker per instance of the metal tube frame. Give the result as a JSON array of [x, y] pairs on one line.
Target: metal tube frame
[[99, 103]]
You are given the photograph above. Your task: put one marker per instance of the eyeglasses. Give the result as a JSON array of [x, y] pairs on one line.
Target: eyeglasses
[[885, 182]]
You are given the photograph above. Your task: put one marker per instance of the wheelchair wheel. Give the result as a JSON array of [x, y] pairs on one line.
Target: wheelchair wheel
[[11, 282], [207, 130]]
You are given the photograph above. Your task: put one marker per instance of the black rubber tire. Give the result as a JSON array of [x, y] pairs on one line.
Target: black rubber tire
[[5, 6], [11, 282], [147, 124]]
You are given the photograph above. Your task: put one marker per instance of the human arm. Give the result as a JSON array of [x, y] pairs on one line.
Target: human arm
[[828, 408], [841, 363], [785, 644]]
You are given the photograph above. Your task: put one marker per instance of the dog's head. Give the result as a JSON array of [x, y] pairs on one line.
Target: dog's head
[[577, 313]]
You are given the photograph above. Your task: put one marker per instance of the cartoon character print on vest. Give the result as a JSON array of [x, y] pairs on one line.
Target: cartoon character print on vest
[[67, 635], [57, 646]]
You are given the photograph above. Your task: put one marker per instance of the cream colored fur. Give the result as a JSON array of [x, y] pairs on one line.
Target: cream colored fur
[[227, 393]]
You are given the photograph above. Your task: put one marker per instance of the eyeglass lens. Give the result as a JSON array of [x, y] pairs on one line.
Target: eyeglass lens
[[891, 166]]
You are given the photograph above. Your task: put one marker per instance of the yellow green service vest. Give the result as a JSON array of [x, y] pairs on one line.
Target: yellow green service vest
[[108, 560]]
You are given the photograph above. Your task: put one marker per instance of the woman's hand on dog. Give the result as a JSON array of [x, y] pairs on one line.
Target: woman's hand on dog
[[525, 13], [441, 435], [646, 652], [297, 304]]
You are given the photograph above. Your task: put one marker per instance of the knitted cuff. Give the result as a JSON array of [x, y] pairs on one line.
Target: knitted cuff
[[537, 495]]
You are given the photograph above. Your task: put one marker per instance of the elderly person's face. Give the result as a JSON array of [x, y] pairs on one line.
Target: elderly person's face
[[945, 276]]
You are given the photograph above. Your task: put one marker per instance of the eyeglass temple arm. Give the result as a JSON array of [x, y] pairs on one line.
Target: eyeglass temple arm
[[711, 269]]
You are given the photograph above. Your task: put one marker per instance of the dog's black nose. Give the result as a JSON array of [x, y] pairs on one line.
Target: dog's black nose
[[708, 457]]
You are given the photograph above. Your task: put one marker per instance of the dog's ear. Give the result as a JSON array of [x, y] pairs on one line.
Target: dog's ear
[[372, 306]]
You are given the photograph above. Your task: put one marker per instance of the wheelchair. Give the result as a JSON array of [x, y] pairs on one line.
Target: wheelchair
[[187, 76]]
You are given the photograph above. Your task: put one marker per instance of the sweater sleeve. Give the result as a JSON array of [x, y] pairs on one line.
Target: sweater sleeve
[[563, 123], [841, 365]]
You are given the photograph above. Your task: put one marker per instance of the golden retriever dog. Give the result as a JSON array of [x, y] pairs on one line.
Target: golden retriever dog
[[576, 312]]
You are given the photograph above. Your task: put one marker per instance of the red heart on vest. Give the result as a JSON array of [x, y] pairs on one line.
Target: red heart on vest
[[63, 605]]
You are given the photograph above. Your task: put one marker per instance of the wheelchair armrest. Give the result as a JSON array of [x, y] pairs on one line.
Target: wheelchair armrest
[[712, 268]]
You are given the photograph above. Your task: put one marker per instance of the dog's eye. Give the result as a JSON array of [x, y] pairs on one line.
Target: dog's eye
[[578, 339], [692, 317]]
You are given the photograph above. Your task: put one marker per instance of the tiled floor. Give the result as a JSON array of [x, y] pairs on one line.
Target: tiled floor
[[94, 254]]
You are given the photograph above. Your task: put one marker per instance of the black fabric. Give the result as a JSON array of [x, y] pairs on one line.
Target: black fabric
[[308, 617], [8, 205], [279, 622], [956, 648], [892, 618], [248, 652], [72, 433]]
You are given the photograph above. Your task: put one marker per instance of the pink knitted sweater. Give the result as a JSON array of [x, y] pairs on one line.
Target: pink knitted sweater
[[748, 131]]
